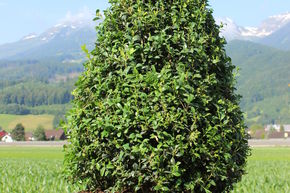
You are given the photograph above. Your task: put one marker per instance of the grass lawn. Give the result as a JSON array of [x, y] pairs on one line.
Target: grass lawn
[[38, 169], [30, 122]]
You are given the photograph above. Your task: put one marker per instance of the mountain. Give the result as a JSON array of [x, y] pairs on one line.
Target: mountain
[[232, 31], [65, 39], [274, 23], [263, 81], [62, 40], [279, 39], [273, 31]]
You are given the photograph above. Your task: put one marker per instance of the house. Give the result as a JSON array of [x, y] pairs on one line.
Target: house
[[29, 136], [278, 135], [286, 128], [277, 128], [272, 127], [7, 138], [259, 134], [270, 134], [2, 134], [52, 135]]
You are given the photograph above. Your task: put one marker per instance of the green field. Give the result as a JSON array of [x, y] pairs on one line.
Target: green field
[[32, 170], [30, 122], [268, 171], [38, 169]]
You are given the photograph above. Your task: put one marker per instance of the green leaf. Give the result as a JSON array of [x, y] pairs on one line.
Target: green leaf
[[175, 173], [126, 146], [102, 171], [86, 51], [110, 166]]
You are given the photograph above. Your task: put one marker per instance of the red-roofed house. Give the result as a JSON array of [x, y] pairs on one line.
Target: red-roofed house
[[2, 134], [52, 135], [29, 136]]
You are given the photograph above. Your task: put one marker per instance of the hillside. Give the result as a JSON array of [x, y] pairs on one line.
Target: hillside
[[27, 84], [263, 81], [30, 122], [38, 72]]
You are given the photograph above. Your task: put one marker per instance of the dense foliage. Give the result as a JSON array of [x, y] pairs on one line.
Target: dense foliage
[[155, 109], [18, 133]]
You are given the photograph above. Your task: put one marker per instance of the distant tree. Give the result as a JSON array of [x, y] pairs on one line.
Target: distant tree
[[18, 133], [39, 133], [282, 129], [256, 127], [263, 136], [272, 129], [59, 117]]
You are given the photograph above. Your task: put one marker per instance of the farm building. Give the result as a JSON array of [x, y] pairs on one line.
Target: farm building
[[55, 135], [2, 134], [277, 127], [260, 134], [7, 138], [29, 136], [270, 134], [51, 135], [278, 135]]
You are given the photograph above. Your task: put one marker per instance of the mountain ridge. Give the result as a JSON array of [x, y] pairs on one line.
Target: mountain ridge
[[70, 34], [67, 37], [273, 31]]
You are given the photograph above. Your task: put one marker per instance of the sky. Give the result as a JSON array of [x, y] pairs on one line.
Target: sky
[[19, 18]]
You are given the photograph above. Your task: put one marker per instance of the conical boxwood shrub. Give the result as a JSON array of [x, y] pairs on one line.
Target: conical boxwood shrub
[[155, 109]]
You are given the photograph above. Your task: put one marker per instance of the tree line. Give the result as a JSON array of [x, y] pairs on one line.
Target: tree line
[[36, 93]]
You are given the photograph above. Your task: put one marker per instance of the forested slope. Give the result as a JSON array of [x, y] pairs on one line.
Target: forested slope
[[263, 81]]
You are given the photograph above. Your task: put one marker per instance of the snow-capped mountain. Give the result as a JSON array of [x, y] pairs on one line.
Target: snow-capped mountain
[[64, 39], [279, 39], [274, 23], [68, 26], [269, 26], [230, 30], [29, 36]]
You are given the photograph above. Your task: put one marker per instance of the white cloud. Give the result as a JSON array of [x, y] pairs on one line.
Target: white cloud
[[84, 16]]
